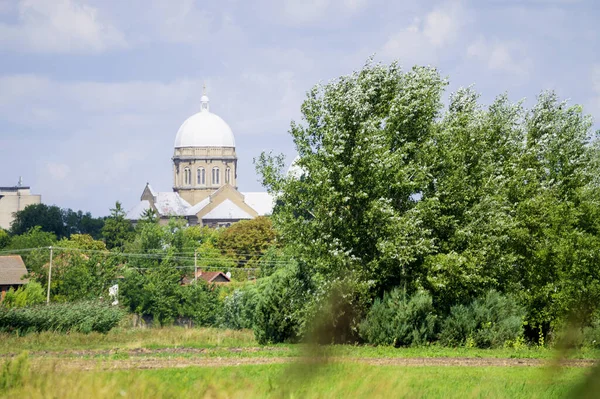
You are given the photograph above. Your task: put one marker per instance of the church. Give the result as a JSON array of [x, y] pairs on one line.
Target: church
[[204, 178]]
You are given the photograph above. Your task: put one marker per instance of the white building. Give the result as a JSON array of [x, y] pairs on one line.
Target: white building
[[204, 177], [14, 199]]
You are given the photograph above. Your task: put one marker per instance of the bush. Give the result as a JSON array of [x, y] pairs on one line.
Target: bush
[[200, 303], [400, 321], [30, 294], [239, 309], [281, 306], [488, 322], [82, 317]]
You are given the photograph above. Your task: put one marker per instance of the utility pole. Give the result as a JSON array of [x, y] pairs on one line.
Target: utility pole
[[195, 266], [49, 277]]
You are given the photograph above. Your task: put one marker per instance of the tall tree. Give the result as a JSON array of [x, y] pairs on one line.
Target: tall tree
[[117, 230]]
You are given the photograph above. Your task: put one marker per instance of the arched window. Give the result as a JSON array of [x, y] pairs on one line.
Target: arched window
[[216, 176], [228, 175], [187, 176], [201, 177]]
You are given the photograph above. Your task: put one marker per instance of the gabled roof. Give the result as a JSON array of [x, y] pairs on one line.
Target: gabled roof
[[261, 202], [212, 276], [138, 210], [227, 210], [12, 269], [171, 204], [193, 211]]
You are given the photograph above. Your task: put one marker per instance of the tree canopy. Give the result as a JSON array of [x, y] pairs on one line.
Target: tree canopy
[[52, 219], [396, 190]]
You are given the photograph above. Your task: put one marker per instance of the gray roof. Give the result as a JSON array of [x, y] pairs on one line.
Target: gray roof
[[12, 269]]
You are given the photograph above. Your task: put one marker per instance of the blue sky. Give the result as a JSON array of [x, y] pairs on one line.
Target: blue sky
[[92, 92]]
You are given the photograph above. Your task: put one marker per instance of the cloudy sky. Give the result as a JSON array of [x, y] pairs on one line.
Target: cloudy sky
[[92, 92]]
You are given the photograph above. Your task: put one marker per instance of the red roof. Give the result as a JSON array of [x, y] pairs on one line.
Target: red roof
[[210, 277]]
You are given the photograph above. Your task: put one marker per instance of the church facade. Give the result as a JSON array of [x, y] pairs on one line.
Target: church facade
[[204, 178]]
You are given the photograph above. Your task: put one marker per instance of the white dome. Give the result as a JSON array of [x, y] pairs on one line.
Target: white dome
[[295, 171], [204, 129]]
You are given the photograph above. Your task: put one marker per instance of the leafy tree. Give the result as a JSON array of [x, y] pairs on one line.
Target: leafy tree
[[49, 218], [34, 260], [246, 241], [398, 193], [4, 238], [117, 230], [361, 150], [82, 269], [61, 222]]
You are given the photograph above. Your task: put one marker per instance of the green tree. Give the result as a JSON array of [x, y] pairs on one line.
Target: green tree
[[361, 149], [48, 217], [38, 241], [247, 241], [394, 192], [4, 238], [117, 230]]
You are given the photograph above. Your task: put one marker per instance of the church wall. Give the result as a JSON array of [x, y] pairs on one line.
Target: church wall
[[207, 158]]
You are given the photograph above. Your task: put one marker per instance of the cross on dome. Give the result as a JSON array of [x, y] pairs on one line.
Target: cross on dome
[[204, 100]]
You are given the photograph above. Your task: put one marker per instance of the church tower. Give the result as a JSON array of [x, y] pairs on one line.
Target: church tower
[[204, 159]]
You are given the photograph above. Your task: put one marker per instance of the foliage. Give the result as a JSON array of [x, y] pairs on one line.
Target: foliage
[[487, 322], [82, 317], [52, 219], [4, 238], [34, 260], [457, 203], [117, 230], [247, 240], [400, 320], [280, 312], [14, 372], [239, 308], [30, 294]]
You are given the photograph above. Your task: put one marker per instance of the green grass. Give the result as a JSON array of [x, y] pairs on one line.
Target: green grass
[[128, 338], [231, 343], [303, 381]]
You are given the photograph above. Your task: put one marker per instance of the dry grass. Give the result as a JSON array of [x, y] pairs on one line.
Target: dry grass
[[128, 339]]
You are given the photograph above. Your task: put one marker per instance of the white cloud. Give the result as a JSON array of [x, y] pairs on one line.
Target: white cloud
[[306, 12], [58, 171], [423, 40], [503, 57], [179, 21], [59, 26]]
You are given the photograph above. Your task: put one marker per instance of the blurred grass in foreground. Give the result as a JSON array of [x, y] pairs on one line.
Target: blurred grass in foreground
[[279, 381]]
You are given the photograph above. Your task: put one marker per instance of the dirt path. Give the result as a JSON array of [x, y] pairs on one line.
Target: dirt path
[[158, 363]]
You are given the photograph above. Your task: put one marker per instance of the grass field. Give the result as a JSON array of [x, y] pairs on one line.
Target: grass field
[[178, 362]]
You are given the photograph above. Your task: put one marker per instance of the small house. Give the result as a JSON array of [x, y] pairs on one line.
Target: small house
[[12, 273], [209, 277]]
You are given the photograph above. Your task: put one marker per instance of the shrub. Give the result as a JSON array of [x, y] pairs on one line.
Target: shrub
[[400, 321], [281, 306], [239, 309], [30, 294], [200, 303], [488, 322], [62, 317]]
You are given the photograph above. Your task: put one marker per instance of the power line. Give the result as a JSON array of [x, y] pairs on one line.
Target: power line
[[159, 256]]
